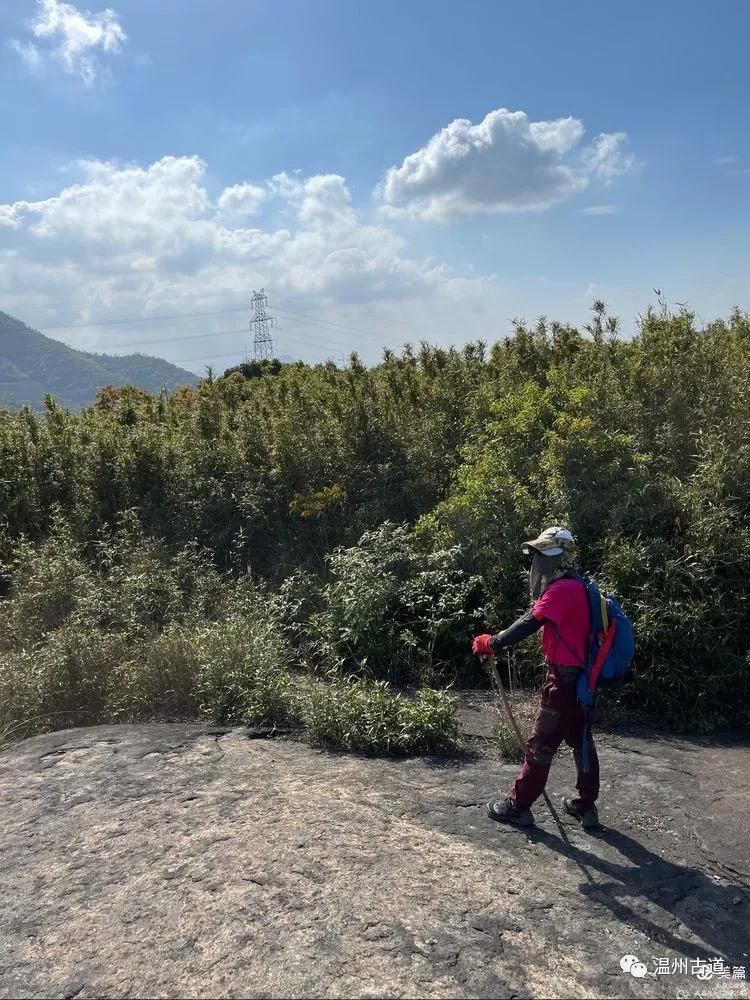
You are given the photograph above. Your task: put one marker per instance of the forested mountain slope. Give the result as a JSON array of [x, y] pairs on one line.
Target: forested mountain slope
[[32, 365]]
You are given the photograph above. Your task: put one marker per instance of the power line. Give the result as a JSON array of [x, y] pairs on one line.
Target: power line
[[161, 340], [367, 333], [198, 336], [300, 317], [142, 319], [197, 315], [106, 348], [324, 322], [204, 357]]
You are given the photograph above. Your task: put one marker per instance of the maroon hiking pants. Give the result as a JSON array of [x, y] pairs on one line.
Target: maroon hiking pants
[[560, 718]]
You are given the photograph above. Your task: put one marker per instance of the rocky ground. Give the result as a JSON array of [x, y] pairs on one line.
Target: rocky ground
[[176, 860]]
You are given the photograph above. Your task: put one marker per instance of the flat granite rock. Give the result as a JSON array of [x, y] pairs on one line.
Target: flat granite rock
[[181, 861]]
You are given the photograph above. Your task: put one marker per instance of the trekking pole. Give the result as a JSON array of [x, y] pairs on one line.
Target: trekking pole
[[514, 726], [506, 703], [516, 730]]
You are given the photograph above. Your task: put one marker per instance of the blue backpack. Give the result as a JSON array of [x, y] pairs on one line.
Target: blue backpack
[[611, 644]]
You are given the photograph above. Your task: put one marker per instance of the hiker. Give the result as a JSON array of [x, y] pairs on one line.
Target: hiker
[[561, 610]]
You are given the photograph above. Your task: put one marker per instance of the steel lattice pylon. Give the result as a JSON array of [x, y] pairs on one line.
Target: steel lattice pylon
[[261, 325]]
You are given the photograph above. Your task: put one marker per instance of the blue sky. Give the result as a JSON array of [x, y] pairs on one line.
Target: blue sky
[[388, 171]]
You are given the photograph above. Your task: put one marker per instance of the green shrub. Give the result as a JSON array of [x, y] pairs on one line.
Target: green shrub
[[299, 598], [242, 672], [507, 745], [65, 681], [396, 608], [127, 632], [48, 582], [642, 448], [363, 715], [157, 679]]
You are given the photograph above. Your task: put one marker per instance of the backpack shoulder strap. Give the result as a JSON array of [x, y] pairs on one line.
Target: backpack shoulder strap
[[597, 606]]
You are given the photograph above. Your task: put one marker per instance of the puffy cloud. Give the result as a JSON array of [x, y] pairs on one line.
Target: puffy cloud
[[8, 216], [320, 201], [506, 163], [121, 206], [242, 201], [127, 240], [606, 157], [324, 201], [71, 37]]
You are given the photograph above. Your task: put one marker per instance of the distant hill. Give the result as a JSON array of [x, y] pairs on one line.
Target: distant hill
[[32, 365]]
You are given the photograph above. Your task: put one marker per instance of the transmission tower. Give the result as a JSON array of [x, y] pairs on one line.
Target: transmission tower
[[261, 325]]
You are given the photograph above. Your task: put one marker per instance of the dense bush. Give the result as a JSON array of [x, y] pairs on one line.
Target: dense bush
[[355, 714], [272, 471], [643, 448], [396, 608], [181, 555], [127, 632]]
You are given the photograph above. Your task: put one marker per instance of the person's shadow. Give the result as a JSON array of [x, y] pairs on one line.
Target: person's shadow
[[716, 913]]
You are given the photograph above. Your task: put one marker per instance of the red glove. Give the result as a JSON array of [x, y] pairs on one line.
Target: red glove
[[481, 646]]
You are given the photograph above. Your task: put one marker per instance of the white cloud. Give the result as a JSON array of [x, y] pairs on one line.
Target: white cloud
[[506, 163], [127, 240], [73, 38], [600, 210], [325, 202], [29, 53], [503, 164], [607, 159], [8, 216], [242, 201]]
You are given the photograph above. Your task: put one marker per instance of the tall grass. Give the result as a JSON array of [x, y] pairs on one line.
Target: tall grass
[[126, 633]]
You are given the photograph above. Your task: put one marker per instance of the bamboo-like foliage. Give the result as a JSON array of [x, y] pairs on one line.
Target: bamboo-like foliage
[[641, 445]]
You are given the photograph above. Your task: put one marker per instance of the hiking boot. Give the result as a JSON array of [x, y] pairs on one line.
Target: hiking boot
[[506, 811], [588, 818]]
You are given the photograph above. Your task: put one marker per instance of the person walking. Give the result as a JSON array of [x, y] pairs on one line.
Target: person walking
[[561, 611]]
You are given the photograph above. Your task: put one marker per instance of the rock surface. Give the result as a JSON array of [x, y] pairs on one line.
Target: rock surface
[[175, 860]]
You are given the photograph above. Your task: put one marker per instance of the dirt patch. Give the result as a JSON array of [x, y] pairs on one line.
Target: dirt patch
[[171, 860]]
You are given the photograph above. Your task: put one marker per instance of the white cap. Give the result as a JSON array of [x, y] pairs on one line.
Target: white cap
[[552, 542]]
